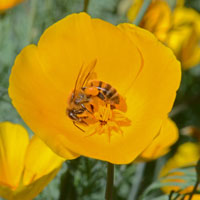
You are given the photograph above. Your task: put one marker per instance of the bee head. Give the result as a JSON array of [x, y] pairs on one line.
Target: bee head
[[72, 113], [81, 97]]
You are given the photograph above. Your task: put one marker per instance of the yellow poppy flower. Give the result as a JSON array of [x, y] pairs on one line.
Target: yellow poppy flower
[[167, 136], [184, 36], [6, 4], [187, 155], [26, 167], [106, 125]]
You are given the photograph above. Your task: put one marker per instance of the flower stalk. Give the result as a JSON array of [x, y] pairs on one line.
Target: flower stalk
[[142, 12], [86, 3], [137, 181], [109, 182], [67, 188], [172, 193]]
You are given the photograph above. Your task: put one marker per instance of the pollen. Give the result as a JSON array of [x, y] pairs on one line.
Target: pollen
[[104, 113], [108, 121]]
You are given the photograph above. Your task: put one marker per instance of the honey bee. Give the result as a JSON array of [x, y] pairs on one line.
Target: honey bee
[[86, 89]]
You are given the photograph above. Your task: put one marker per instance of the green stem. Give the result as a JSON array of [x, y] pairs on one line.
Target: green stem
[[67, 187], [171, 195], [159, 163], [86, 3], [143, 9], [177, 196], [183, 197], [137, 181], [31, 15], [194, 189], [110, 181]]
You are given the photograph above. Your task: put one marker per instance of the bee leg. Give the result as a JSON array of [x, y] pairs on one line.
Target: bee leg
[[83, 88], [83, 106], [92, 107], [78, 126]]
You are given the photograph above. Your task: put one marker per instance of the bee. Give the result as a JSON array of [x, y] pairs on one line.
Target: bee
[[81, 101]]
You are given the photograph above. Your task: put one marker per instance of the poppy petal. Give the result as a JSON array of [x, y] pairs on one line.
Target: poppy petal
[[11, 153], [39, 97], [161, 144], [45, 163]]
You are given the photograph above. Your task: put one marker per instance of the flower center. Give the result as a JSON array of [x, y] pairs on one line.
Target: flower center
[[104, 114], [106, 120], [97, 108]]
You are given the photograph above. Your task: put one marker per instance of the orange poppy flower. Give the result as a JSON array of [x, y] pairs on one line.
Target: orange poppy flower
[[167, 136], [26, 167], [95, 89], [6, 4]]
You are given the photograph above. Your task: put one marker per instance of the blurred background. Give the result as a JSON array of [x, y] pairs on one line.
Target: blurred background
[[84, 178]]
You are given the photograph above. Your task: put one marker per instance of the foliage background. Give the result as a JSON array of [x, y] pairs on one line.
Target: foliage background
[[84, 178]]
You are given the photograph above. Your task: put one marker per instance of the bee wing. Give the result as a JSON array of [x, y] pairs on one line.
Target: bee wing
[[89, 73], [86, 73]]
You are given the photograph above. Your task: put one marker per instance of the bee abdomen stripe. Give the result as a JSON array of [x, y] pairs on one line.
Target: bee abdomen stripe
[[111, 93], [100, 85], [107, 88], [101, 96], [115, 99]]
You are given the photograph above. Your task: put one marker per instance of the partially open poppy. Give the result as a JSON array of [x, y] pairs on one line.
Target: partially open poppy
[[184, 36], [26, 167], [167, 136], [6, 4], [95, 89], [178, 29], [157, 18]]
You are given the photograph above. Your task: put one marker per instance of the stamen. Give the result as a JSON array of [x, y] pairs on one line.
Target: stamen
[[107, 121]]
